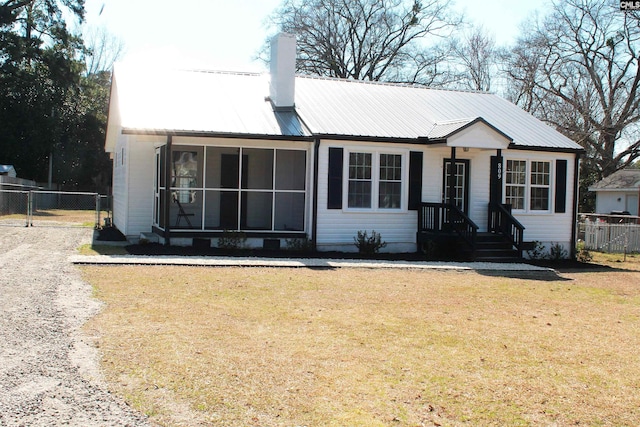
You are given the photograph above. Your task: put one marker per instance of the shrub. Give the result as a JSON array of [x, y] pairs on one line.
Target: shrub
[[232, 240], [537, 252], [557, 252], [369, 245], [583, 254], [299, 244]]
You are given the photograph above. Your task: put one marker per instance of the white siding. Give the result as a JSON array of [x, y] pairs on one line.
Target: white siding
[[337, 227], [120, 191], [133, 174], [548, 227], [141, 165]]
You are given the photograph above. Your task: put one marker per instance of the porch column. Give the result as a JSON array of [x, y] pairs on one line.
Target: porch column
[[167, 191], [495, 186], [496, 179], [452, 177]]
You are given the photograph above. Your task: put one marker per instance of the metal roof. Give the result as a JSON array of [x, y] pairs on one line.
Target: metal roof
[[238, 103], [625, 179], [347, 107], [200, 101]]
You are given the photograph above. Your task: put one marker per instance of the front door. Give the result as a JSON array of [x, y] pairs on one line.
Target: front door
[[461, 183]]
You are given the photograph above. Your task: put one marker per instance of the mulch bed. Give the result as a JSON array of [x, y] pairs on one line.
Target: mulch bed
[[150, 249]]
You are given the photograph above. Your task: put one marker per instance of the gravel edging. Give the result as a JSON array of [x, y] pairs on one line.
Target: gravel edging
[[49, 370]]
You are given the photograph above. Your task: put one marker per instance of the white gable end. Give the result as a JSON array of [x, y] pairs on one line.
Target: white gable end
[[478, 135]]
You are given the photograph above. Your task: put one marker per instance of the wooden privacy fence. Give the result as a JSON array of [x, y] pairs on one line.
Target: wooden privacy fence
[[610, 237]]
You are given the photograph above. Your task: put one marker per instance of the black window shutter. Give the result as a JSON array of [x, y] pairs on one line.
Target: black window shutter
[[561, 186], [334, 197], [415, 179]]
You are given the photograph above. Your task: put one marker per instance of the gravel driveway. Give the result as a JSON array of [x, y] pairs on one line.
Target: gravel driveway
[[49, 376]]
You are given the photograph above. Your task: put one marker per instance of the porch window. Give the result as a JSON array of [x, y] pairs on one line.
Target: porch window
[[528, 185], [375, 180]]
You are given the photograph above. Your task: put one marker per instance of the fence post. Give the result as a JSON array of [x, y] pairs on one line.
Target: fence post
[[29, 208], [97, 224]]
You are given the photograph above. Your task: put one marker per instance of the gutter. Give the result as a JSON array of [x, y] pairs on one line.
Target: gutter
[[574, 215]]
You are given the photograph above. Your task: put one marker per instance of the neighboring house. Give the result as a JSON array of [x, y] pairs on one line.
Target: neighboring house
[[618, 192], [197, 154], [8, 170]]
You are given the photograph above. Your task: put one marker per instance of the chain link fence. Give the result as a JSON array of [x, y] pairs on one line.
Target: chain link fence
[[43, 208]]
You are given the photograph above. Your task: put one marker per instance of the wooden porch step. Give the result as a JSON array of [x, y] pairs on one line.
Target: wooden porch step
[[491, 247]]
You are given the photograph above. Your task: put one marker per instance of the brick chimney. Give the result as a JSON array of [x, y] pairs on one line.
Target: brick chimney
[[283, 70]]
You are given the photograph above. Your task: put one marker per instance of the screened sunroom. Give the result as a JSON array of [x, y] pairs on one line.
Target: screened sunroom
[[223, 188]]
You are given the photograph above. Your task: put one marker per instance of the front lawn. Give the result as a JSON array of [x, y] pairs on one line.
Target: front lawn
[[358, 347]]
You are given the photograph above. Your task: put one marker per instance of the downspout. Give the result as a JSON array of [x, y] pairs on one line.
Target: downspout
[[167, 191], [574, 216], [314, 214]]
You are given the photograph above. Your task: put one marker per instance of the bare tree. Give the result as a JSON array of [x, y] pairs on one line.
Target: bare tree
[[578, 70], [368, 39], [103, 50], [475, 54]]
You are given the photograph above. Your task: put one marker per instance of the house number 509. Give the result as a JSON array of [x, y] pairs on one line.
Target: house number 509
[[499, 170]]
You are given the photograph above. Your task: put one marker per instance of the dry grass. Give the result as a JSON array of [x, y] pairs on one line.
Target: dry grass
[[357, 347], [86, 218]]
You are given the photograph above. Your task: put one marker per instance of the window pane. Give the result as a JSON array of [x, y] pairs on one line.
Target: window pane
[[516, 172], [515, 196], [289, 212], [290, 169], [221, 210], [540, 198], [359, 194], [186, 172], [186, 215], [539, 173], [360, 166], [257, 169], [223, 167], [256, 210], [390, 167], [390, 195]]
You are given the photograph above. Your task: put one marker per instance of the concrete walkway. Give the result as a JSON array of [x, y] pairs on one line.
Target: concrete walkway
[[213, 261]]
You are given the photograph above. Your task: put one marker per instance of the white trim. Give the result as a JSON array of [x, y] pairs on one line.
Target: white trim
[[375, 178], [528, 186]]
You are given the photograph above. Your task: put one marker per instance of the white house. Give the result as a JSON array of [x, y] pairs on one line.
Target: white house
[[200, 153], [618, 192]]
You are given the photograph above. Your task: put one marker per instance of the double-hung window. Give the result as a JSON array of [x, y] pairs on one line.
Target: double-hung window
[[374, 180], [360, 180], [528, 185], [540, 186]]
